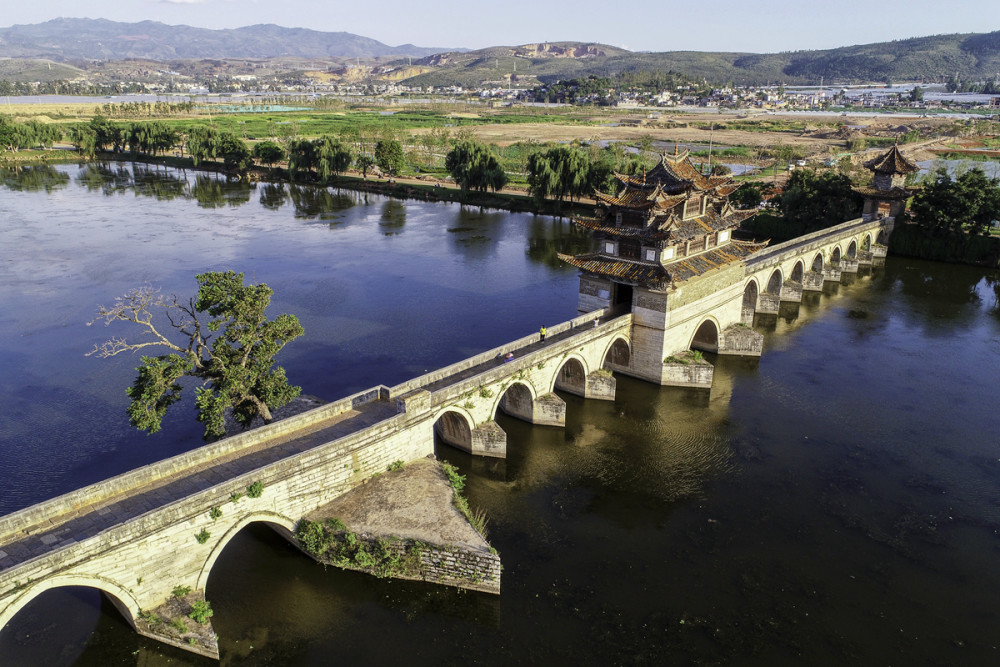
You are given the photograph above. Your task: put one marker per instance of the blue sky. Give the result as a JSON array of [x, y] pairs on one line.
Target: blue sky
[[759, 26]]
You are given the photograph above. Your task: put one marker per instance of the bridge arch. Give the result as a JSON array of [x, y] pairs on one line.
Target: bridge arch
[[750, 295], [517, 401], [817, 263], [571, 376], [774, 283], [454, 426], [284, 525], [618, 353], [835, 255], [883, 237], [120, 597], [797, 271], [866, 243], [852, 250], [706, 336]]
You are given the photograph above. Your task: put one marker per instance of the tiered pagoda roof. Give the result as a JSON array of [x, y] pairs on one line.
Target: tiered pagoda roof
[[889, 169], [892, 162], [671, 205]]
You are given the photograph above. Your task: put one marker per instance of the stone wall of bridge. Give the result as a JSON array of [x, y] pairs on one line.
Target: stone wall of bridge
[[139, 562], [781, 272], [465, 411]]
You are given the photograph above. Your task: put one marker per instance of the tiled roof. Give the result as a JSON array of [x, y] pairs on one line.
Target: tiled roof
[[892, 162], [673, 229], [728, 189], [647, 274], [691, 267], [631, 198], [610, 229], [894, 193]]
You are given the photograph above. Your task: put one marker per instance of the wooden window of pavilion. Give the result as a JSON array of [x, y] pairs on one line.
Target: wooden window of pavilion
[[629, 249], [692, 208]]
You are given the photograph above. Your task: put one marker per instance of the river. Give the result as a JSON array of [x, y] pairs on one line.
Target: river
[[836, 502]]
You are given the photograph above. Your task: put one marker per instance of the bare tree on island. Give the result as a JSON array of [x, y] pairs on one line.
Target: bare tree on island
[[232, 353]]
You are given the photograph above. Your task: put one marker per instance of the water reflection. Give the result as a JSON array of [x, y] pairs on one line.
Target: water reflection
[[273, 195], [475, 232], [108, 178], [547, 239], [36, 178], [313, 202], [217, 192], [160, 184], [393, 216]]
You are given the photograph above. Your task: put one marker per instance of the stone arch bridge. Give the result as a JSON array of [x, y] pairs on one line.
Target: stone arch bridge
[[138, 536]]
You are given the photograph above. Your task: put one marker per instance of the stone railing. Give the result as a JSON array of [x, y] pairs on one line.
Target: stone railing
[[776, 253], [50, 511], [489, 355]]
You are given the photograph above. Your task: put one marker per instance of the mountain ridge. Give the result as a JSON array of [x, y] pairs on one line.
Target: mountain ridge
[[67, 39], [82, 42]]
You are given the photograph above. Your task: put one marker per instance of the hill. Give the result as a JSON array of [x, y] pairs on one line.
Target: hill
[[68, 39], [84, 42], [972, 57], [18, 69]]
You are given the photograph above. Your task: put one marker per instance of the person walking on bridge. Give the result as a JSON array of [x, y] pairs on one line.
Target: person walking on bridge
[[541, 332]]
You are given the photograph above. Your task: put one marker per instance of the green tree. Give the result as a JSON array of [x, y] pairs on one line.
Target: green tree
[[268, 153], [475, 167], [15, 136], [235, 154], [749, 195], [364, 162], [560, 172], [816, 201], [301, 157], [232, 354], [201, 144], [389, 156], [332, 157], [970, 202]]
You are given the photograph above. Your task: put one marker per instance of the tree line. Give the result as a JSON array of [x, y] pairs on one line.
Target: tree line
[[15, 136]]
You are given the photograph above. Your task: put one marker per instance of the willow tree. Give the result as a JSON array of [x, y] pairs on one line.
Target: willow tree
[[222, 337], [475, 167]]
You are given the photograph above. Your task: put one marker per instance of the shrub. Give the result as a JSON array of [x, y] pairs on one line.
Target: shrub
[[256, 489], [201, 611]]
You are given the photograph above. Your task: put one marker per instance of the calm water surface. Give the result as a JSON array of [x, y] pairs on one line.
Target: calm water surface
[[836, 502]]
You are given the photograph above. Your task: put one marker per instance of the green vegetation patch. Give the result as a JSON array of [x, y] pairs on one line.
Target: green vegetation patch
[[330, 542]]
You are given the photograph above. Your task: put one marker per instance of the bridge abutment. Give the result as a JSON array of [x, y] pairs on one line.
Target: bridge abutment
[[488, 439], [741, 340], [768, 303], [549, 410], [791, 291], [812, 281], [601, 386]]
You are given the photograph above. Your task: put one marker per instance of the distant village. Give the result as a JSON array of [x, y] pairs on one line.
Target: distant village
[[367, 82]]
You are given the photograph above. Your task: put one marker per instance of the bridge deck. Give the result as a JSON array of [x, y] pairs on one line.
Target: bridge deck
[[519, 353], [91, 520]]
